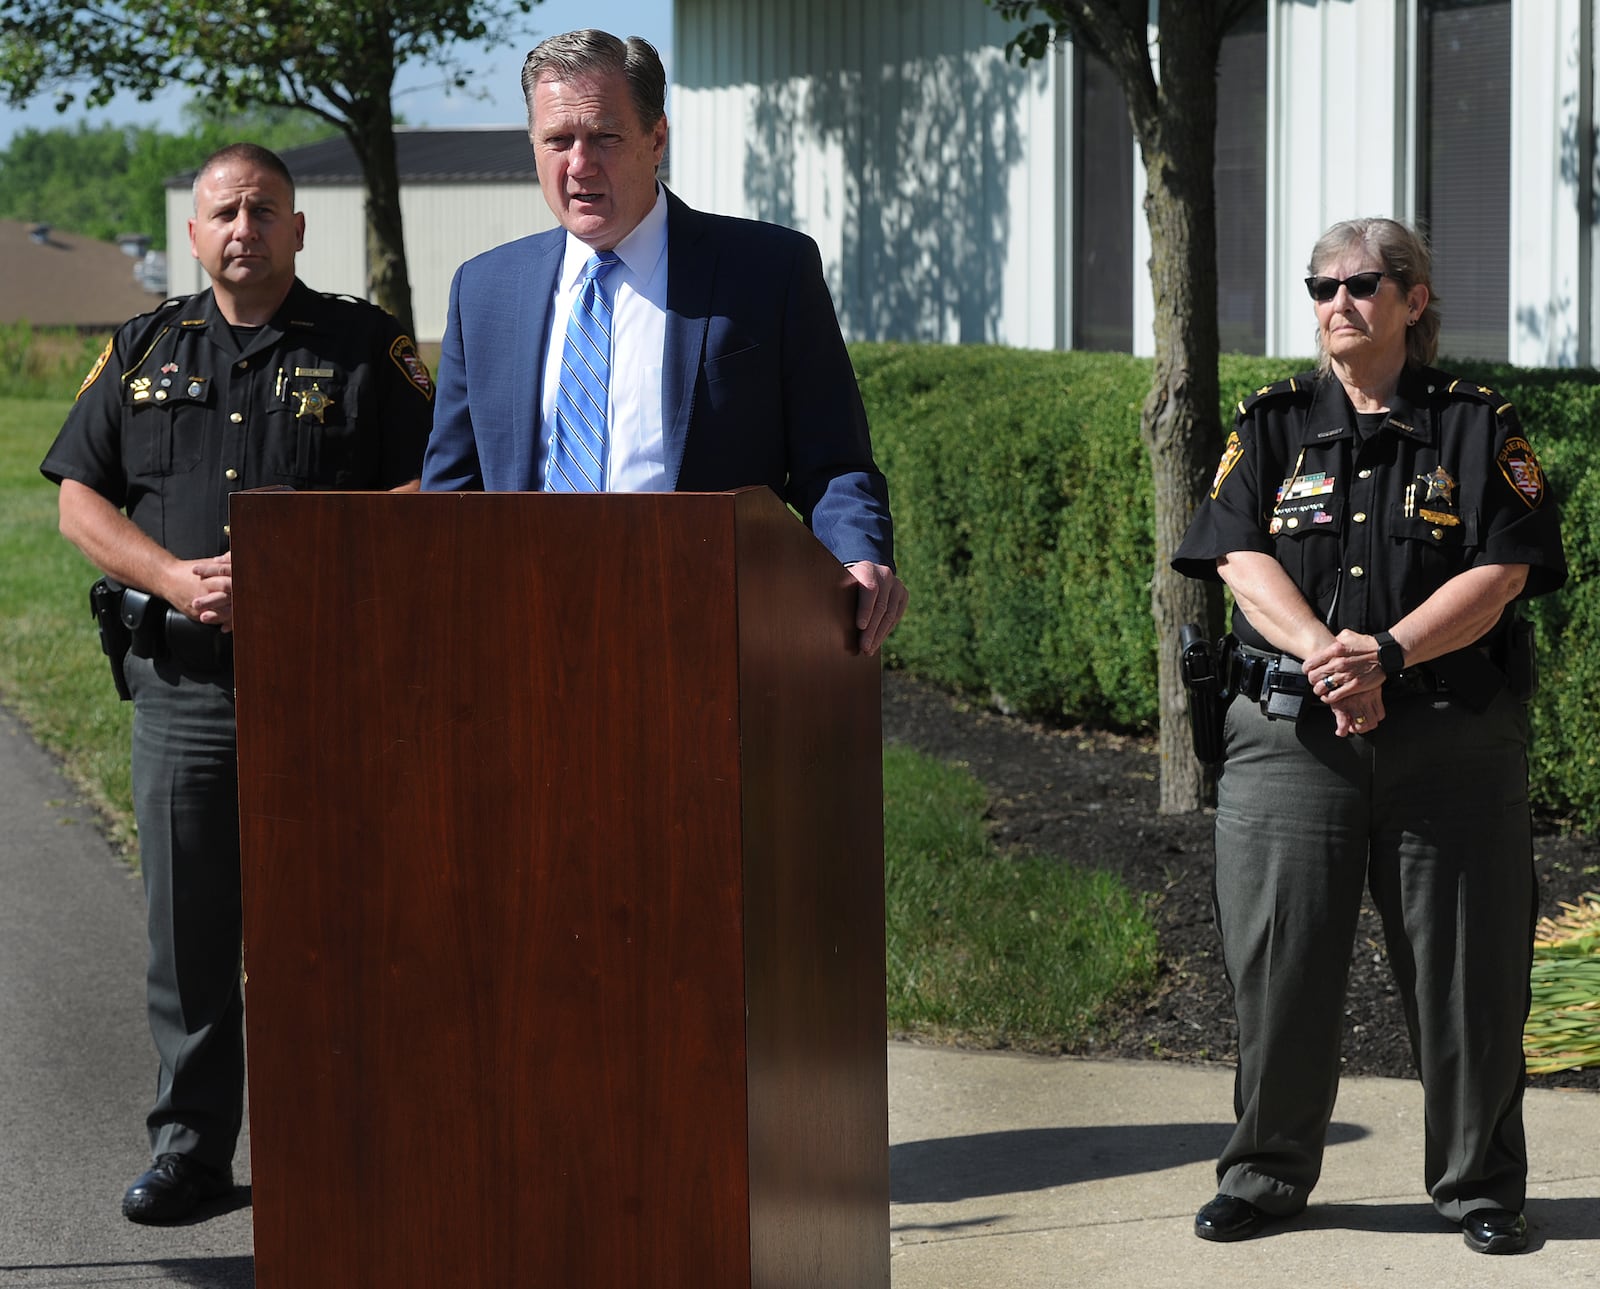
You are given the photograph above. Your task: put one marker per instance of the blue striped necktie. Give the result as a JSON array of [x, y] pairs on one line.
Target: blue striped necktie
[[576, 461]]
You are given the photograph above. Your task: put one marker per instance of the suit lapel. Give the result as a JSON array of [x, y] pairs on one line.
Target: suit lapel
[[691, 275], [535, 289]]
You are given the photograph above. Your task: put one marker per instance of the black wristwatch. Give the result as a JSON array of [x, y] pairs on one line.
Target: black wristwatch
[[1391, 657]]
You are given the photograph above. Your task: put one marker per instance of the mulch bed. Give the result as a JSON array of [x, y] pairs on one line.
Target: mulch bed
[[1090, 797]]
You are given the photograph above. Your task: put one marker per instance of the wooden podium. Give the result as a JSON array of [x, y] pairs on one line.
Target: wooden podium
[[563, 895]]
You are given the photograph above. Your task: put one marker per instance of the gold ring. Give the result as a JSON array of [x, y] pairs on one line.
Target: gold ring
[[1361, 720]]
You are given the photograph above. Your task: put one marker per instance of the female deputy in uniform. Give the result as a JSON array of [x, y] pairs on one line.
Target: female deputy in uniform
[[1376, 521]]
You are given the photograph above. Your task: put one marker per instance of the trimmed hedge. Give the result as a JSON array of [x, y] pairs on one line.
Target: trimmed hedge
[[1022, 503]]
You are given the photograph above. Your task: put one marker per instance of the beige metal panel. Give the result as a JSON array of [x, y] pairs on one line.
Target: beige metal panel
[[447, 224], [335, 255], [184, 274]]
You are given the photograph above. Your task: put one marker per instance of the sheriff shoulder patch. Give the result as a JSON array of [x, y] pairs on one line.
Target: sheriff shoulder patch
[[94, 372], [1232, 454], [1523, 471], [405, 356]]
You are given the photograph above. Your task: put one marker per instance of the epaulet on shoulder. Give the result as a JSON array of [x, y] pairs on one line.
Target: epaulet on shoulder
[[1288, 388], [1460, 388], [376, 314], [171, 304], [1472, 390]]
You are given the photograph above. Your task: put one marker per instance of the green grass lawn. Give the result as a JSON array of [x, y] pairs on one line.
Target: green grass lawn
[[981, 947], [989, 949], [52, 672]]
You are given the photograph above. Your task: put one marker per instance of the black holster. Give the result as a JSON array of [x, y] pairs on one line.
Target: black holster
[[105, 603], [1206, 671], [136, 622]]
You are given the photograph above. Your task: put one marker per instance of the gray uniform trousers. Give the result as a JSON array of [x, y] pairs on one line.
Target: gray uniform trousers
[[186, 802], [1430, 811]]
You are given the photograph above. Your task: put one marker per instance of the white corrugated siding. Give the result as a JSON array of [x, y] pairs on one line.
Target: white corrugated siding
[[935, 175], [1547, 237], [898, 136], [1333, 141], [447, 224]]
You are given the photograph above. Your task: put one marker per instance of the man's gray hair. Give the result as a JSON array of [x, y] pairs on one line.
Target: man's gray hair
[[577, 54]]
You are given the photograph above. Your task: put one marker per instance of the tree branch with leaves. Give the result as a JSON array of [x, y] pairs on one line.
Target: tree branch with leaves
[[334, 59]]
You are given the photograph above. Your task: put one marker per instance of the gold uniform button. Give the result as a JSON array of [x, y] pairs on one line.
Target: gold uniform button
[[1361, 516], [1293, 523], [243, 363], [230, 474], [236, 418], [1438, 534], [1358, 571], [1365, 474], [227, 530]]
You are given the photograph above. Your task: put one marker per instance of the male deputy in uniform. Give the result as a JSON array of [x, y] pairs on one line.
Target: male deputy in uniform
[[719, 361], [257, 381]]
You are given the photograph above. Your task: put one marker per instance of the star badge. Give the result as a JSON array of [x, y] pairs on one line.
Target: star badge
[[313, 402], [1441, 486]]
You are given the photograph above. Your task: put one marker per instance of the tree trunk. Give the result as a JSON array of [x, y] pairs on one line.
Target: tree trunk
[[371, 133], [1174, 118], [1180, 427]]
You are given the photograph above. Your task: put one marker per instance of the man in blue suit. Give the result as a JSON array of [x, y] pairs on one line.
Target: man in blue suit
[[726, 366]]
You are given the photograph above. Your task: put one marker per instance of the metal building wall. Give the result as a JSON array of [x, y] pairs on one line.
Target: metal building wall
[[1553, 180], [934, 174], [449, 223], [897, 135]]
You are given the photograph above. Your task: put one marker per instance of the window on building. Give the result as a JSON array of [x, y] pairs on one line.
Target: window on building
[[1464, 175], [1103, 213], [1241, 186]]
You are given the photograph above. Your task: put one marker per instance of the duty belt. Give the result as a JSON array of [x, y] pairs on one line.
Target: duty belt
[[159, 631], [1274, 680], [1252, 667]]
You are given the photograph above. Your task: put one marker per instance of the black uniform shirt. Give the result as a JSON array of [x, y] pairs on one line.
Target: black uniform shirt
[[180, 412], [1368, 527]]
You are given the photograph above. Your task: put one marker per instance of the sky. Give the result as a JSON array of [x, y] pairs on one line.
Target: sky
[[418, 97]]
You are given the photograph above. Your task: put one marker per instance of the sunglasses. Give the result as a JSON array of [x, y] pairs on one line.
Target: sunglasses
[[1362, 286]]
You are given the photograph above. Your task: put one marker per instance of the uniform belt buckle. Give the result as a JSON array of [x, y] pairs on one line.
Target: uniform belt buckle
[[1283, 689]]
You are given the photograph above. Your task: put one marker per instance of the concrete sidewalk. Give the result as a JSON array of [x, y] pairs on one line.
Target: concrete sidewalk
[[1006, 1170], [1024, 1171]]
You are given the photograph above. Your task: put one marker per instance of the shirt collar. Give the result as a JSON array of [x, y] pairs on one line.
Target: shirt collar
[[640, 251], [1331, 417]]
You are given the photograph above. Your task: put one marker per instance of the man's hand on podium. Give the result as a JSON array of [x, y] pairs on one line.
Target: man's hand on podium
[[880, 603]]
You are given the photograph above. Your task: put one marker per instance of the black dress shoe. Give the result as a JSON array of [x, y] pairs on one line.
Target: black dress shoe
[[173, 1189], [1495, 1230], [1229, 1218]]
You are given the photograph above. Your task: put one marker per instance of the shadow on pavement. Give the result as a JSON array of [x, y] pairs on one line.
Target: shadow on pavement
[[943, 1169], [192, 1273], [1558, 1220]]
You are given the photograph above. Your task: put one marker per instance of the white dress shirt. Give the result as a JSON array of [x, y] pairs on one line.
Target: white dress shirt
[[636, 459]]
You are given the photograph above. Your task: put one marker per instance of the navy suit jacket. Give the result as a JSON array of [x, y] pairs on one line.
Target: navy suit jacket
[[756, 385]]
